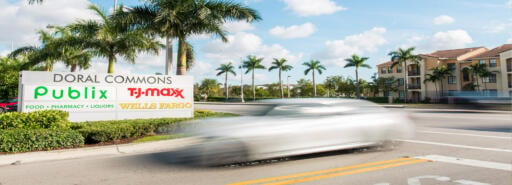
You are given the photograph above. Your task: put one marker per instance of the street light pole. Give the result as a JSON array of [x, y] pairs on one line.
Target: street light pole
[[241, 83], [288, 85], [115, 5]]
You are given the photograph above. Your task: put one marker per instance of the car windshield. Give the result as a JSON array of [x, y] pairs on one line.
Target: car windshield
[[14, 100]]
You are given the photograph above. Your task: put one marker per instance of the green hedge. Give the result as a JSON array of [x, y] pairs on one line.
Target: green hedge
[[378, 99], [107, 131], [53, 119], [24, 140]]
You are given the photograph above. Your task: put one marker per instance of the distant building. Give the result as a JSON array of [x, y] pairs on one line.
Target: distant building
[[497, 60]]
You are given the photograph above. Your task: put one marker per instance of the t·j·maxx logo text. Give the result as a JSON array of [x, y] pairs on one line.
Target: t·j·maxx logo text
[[71, 93]]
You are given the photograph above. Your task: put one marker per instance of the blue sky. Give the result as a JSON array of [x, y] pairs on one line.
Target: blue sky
[[299, 30]]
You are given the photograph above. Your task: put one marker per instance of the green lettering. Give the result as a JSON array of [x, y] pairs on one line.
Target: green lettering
[[58, 97], [38, 93], [70, 93]]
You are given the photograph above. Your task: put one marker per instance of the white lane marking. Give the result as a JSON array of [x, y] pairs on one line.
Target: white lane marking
[[467, 162], [457, 146], [461, 134]]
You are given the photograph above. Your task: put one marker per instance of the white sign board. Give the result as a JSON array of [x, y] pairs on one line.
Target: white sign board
[[89, 97]]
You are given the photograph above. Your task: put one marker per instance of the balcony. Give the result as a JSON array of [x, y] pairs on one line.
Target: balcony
[[414, 73], [414, 86], [509, 68], [509, 84]]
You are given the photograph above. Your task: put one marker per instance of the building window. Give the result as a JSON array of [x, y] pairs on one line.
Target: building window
[[451, 80], [383, 70], [492, 63], [492, 78], [387, 93], [390, 70], [400, 81], [465, 76], [398, 69], [401, 94], [451, 66], [483, 62]]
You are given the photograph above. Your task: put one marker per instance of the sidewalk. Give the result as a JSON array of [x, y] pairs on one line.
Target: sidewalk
[[123, 149]]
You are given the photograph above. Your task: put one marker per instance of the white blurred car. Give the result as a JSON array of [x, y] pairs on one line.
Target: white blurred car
[[295, 127]]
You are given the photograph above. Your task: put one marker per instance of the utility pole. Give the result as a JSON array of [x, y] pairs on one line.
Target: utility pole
[[288, 85], [241, 83], [115, 5]]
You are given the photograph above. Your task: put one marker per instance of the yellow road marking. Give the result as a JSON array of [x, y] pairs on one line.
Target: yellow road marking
[[346, 173], [322, 171]]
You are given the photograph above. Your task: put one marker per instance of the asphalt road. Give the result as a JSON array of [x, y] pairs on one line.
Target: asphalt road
[[448, 149]]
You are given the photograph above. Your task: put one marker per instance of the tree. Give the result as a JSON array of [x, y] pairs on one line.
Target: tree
[[357, 62], [208, 87], [110, 38], [46, 53], [313, 65], [182, 18], [281, 66], [252, 63], [432, 78], [476, 71], [441, 72], [226, 68], [73, 56], [402, 56]]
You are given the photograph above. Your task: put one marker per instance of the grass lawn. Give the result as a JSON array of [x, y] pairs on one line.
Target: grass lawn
[[158, 138]]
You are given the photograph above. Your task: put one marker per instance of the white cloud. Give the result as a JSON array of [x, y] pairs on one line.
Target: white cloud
[[509, 3], [294, 31], [19, 21], [336, 51], [443, 19], [450, 39], [509, 41], [313, 8], [241, 45], [238, 26]]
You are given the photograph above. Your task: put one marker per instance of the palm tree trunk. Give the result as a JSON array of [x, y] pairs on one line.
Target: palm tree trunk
[[182, 57], [314, 84], [406, 82], [358, 92], [226, 86], [110, 64], [442, 88], [281, 84], [168, 55], [73, 67], [253, 88]]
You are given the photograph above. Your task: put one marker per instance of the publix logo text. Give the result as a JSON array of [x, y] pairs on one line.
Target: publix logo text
[[71, 93]]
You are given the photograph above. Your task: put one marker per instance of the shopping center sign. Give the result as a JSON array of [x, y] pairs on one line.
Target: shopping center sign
[[89, 97]]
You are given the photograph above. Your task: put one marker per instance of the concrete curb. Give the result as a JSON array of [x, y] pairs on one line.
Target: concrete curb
[[457, 111], [123, 149]]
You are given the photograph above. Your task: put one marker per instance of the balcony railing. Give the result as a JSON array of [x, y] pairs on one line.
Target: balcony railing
[[413, 73], [509, 84], [509, 69], [414, 86]]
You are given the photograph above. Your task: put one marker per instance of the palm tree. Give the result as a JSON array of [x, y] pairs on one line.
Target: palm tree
[[74, 57], [477, 70], [441, 72], [402, 56], [356, 61], [226, 68], [432, 78], [182, 18], [313, 65], [281, 66], [484, 74], [109, 38], [46, 53], [252, 63]]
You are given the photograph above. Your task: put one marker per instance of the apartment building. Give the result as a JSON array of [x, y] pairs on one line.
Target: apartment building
[[499, 62], [454, 59]]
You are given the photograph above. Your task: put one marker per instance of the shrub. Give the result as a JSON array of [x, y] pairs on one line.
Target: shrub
[[24, 140], [35, 120], [378, 99], [107, 131]]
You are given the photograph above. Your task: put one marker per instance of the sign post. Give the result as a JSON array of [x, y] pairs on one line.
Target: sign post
[[90, 97]]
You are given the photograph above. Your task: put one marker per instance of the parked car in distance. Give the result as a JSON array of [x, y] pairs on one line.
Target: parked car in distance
[[296, 127], [8, 105]]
